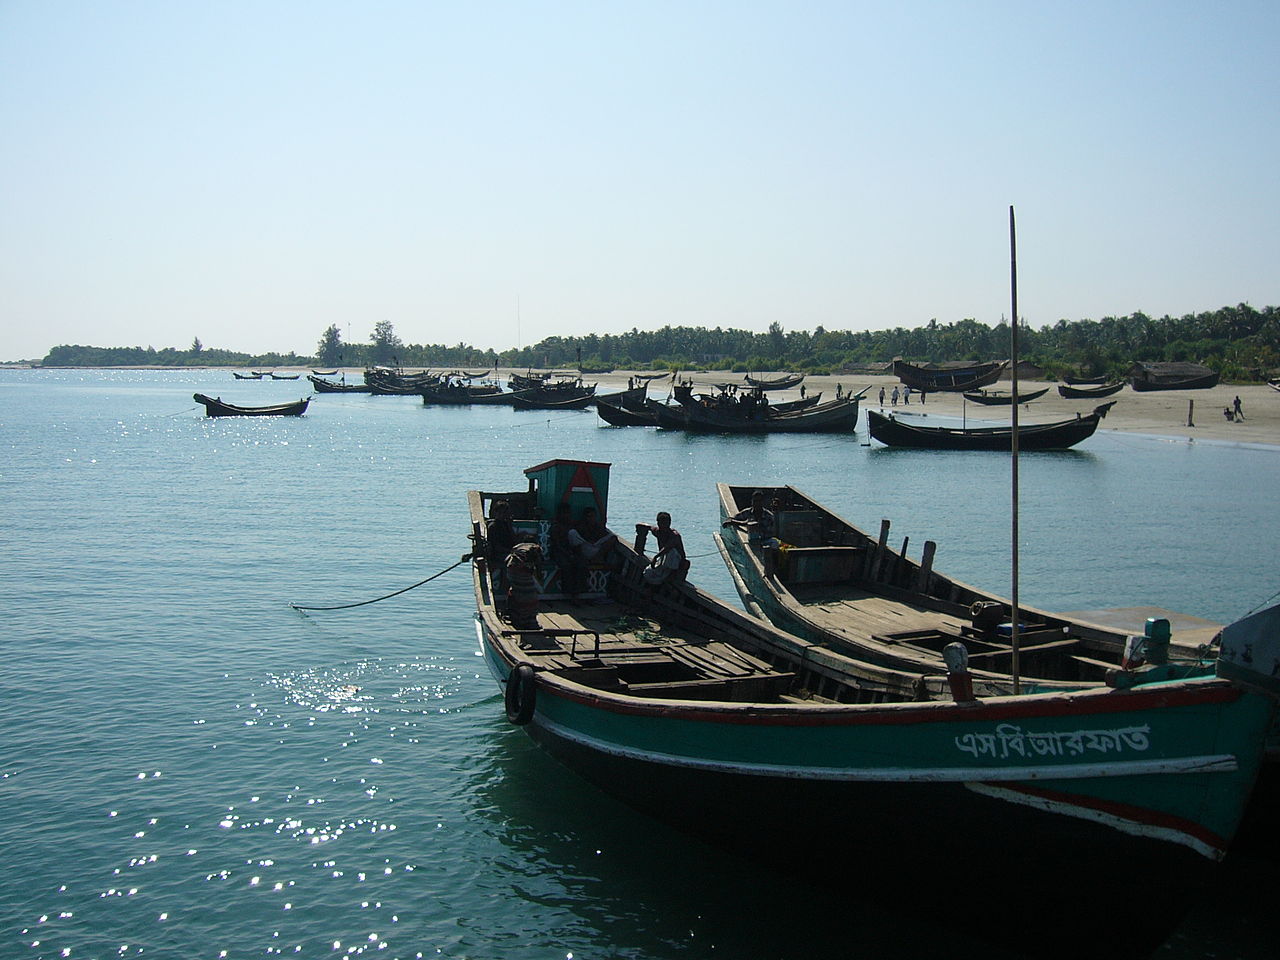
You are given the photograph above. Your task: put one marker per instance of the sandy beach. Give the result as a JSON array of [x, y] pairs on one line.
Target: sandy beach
[[1161, 413]]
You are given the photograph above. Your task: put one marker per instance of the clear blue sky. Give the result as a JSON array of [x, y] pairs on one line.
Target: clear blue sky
[[494, 173]]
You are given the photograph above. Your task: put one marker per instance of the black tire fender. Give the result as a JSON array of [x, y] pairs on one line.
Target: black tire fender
[[521, 694]]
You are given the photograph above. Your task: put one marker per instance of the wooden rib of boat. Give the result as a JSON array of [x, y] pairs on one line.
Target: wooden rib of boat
[[1084, 393], [322, 385], [215, 407], [770, 744], [785, 382], [948, 377], [1146, 377], [894, 432], [835, 416], [996, 398], [1084, 381], [247, 376]]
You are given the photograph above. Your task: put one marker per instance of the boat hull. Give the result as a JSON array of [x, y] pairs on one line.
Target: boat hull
[[214, 407], [1043, 436], [948, 379], [836, 416], [817, 791]]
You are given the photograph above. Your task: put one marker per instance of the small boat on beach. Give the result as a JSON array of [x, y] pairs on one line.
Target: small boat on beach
[[215, 407], [948, 377], [997, 398], [785, 382], [797, 754], [895, 432], [1084, 393], [1172, 376], [1084, 381]]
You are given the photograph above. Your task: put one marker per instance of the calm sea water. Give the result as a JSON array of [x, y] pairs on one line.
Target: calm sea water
[[190, 768]]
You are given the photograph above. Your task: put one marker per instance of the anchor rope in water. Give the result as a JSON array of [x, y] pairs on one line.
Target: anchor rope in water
[[363, 603]]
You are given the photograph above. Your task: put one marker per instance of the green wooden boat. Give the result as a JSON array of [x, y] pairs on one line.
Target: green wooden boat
[[1037, 819]]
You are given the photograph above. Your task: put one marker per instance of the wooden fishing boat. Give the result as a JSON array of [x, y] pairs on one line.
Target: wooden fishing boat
[[1274, 384], [539, 400], [633, 398], [247, 376], [827, 581], [461, 395], [1172, 376], [1084, 381], [616, 415], [683, 393], [791, 752], [948, 377], [325, 373], [285, 376], [215, 407], [895, 432], [996, 398], [835, 416], [1084, 393], [785, 382], [322, 385]]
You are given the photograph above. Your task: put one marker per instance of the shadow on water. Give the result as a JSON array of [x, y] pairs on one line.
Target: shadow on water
[[620, 873]]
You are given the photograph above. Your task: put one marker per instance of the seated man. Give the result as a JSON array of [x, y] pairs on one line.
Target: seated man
[[523, 565], [563, 553], [756, 520], [670, 556], [500, 537], [591, 538]]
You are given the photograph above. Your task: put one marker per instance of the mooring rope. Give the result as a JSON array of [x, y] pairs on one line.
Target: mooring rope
[[363, 603]]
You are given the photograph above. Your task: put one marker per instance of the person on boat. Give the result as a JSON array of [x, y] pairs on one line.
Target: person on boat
[[563, 553], [757, 520], [591, 538], [670, 558], [522, 566], [500, 537]]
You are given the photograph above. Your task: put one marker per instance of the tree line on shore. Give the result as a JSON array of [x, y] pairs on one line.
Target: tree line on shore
[[1241, 343]]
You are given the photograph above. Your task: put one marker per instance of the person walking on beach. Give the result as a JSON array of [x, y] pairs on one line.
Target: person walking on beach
[[882, 396], [1239, 412], [894, 397]]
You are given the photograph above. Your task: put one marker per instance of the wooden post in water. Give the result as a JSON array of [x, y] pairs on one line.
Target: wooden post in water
[[1013, 353]]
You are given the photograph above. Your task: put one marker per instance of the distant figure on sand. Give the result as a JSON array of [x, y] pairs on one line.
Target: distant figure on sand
[[882, 396], [894, 396], [1239, 412]]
